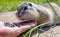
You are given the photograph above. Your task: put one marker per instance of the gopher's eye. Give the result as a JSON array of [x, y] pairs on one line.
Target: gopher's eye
[[25, 8], [30, 4]]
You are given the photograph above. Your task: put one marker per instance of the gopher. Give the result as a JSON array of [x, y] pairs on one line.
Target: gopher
[[29, 11]]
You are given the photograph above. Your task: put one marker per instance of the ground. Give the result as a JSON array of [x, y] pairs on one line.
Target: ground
[[52, 32], [10, 17]]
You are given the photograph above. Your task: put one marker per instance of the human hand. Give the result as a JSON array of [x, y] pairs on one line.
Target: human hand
[[6, 31]]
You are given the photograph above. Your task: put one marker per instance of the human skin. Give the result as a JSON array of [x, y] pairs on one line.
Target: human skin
[[6, 31]]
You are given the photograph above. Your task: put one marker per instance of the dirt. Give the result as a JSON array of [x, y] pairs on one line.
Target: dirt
[[10, 17], [52, 32]]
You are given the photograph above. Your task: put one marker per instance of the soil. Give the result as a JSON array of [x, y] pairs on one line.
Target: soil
[[10, 17]]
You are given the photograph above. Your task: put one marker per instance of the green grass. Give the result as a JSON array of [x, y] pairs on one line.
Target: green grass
[[11, 5]]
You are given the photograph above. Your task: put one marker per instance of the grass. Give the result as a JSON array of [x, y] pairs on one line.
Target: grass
[[11, 5]]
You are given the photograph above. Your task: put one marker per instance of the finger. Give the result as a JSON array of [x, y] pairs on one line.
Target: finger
[[24, 28], [14, 31]]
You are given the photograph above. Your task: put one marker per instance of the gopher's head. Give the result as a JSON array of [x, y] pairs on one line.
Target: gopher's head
[[27, 11], [30, 11]]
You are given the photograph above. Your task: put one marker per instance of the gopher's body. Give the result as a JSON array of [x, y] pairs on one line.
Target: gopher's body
[[56, 8], [40, 13]]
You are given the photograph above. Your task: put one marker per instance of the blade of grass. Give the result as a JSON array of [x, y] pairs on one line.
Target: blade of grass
[[26, 35], [58, 18], [37, 35]]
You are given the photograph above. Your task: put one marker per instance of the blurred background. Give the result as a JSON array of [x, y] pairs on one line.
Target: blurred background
[[11, 5]]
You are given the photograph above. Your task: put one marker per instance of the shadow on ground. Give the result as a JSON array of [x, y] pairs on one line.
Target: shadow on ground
[[44, 30]]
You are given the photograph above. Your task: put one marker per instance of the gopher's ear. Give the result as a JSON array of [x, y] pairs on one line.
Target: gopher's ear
[[38, 10]]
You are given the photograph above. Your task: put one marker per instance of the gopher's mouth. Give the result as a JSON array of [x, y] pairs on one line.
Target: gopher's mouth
[[25, 22], [31, 23]]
